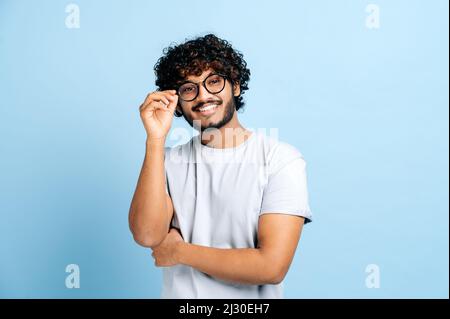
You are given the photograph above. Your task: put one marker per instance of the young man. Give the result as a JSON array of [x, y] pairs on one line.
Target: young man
[[224, 212]]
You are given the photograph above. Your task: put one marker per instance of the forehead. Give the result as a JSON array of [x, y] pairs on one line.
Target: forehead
[[201, 77]]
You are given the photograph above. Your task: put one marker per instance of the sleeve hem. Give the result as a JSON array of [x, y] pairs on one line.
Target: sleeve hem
[[302, 213]]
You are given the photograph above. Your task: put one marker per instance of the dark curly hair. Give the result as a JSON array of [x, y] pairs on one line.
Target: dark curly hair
[[197, 55]]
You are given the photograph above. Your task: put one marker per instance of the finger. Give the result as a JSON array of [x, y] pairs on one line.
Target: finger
[[171, 92], [160, 106], [155, 98], [154, 105], [166, 93], [159, 95], [165, 97], [173, 103]]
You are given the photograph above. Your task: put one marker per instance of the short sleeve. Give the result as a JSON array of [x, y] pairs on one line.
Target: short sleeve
[[286, 191]]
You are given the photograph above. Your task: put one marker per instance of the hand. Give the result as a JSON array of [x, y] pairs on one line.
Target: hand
[[157, 113], [165, 254]]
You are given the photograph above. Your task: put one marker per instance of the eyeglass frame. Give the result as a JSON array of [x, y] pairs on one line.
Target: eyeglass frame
[[225, 77]]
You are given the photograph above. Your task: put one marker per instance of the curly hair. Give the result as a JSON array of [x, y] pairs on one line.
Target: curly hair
[[197, 55]]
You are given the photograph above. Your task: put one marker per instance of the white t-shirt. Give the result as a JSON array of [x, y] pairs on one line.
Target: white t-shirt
[[218, 196]]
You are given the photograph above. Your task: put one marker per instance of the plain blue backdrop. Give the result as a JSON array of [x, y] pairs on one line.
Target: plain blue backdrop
[[368, 109]]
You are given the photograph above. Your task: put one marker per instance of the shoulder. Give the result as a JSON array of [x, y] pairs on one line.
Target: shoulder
[[279, 153], [180, 152]]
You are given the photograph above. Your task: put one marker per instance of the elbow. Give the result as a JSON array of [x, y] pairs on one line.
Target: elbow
[[273, 268], [147, 240], [144, 236], [275, 275]]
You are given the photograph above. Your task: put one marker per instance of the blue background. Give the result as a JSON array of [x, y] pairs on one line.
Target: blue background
[[368, 108]]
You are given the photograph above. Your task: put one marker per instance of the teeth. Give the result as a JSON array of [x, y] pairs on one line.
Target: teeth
[[207, 108]]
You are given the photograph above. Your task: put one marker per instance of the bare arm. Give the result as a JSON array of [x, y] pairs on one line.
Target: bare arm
[[151, 208], [278, 236]]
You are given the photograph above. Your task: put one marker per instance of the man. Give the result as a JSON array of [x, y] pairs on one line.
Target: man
[[224, 212]]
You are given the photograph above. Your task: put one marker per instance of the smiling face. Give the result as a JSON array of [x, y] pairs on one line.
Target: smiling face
[[212, 110]]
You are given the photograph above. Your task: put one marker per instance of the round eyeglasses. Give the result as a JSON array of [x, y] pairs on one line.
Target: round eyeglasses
[[214, 83]]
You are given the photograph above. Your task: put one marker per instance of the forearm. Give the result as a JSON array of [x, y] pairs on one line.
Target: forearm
[[243, 265], [148, 218]]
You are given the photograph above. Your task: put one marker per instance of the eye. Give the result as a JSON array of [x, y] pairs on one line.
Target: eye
[[214, 80], [187, 89]]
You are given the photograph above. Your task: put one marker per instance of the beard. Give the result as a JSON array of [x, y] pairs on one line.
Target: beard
[[229, 110]]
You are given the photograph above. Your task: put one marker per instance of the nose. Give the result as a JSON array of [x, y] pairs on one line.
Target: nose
[[203, 94]]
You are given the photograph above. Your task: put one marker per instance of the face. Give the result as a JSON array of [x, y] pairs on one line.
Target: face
[[213, 110]]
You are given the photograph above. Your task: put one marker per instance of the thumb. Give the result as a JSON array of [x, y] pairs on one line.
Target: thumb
[[173, 103]]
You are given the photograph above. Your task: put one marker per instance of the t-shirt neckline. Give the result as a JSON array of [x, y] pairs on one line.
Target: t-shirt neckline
[[209, 149]]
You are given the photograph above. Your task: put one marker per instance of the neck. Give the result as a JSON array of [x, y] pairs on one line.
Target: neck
[[230, 135]]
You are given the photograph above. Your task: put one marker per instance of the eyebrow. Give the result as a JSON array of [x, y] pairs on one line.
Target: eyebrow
[[188, 81]]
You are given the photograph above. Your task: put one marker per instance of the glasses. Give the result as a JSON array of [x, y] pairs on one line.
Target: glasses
[[214, 83]]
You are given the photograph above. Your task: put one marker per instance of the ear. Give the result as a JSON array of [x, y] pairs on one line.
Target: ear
[[237, 89], [178, 112]]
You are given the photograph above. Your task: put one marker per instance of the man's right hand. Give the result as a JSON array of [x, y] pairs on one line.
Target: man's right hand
[[157, 113]]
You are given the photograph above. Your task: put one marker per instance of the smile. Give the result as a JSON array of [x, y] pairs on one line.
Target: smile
[[208, 109]]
